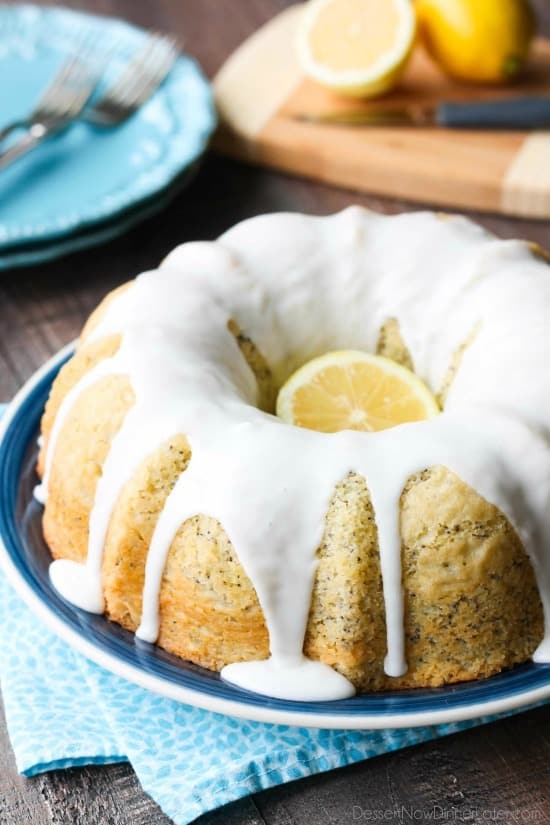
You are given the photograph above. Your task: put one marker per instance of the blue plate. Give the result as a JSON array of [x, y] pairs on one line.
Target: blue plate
[[89, 176], [101, 232], [25, 559]]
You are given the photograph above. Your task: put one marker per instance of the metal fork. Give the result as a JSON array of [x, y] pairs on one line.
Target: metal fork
[[61, 103], [65, 100], [141, 77]]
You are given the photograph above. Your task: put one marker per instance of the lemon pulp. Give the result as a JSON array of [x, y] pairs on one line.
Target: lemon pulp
[[367, 31], [351, 390], [356, 47]]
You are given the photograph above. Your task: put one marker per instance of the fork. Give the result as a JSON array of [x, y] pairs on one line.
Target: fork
[[61, 103], [141, 77]]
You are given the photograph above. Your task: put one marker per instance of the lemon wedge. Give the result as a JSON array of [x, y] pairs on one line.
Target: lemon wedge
[[351, 390], [358, 48]]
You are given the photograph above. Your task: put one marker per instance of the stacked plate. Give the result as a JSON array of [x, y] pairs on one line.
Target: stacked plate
[[90, 184]]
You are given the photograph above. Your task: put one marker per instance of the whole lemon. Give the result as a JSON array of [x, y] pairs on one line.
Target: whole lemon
[[484, 41]]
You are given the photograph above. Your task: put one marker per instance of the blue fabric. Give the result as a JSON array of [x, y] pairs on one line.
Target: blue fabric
[[62, 710]]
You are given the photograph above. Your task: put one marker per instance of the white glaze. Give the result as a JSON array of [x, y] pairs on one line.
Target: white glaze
[[298, 287]]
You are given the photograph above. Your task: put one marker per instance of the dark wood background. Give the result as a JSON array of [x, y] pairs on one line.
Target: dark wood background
[[498, 772]]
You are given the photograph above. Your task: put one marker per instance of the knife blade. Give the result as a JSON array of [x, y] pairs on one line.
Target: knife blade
[[522, 113]]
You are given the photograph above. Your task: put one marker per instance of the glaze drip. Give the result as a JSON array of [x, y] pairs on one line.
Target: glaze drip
[[300, 286]]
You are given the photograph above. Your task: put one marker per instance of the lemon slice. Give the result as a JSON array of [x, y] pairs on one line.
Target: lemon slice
[[356, 47], [350, 390]]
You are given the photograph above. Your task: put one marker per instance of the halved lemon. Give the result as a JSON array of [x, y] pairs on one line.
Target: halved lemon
[[358, 48], [351, 390]]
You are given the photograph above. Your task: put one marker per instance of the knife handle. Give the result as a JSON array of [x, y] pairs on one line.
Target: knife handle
[[515, 113]]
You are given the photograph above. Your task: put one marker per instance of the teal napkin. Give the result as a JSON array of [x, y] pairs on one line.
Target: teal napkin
[[62, 710]]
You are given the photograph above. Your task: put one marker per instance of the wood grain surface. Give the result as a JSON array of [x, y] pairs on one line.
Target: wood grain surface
[[497, 773]]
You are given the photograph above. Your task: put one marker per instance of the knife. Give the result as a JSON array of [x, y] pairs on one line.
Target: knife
[[516, 113]]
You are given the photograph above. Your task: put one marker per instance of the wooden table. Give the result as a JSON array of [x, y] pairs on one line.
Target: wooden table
[[499, 772]]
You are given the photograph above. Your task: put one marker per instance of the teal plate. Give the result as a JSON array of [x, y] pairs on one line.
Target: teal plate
[[30, 254], [89, 176]]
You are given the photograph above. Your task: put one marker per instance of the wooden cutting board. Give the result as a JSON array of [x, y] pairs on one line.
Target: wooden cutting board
[[261, 87]]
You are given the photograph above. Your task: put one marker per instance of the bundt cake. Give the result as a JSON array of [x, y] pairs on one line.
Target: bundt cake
[[307, 565]]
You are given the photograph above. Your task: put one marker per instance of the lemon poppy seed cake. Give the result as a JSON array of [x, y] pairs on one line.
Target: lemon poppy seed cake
[[305, 564]]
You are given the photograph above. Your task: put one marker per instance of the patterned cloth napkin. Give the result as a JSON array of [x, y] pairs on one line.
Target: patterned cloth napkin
[[64, 711]]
